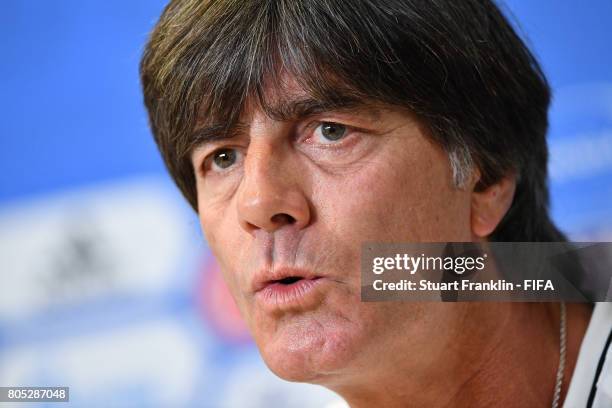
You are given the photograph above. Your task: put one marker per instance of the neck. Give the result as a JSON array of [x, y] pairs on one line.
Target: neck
[[493, 355]]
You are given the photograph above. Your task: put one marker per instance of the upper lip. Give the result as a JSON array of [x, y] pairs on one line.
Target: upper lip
[[267, 276]]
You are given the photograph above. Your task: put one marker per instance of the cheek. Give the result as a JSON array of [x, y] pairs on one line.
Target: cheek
[[399, 197], [224, 237]]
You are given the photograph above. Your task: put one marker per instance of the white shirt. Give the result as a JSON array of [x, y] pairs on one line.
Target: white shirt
[[591, 385]]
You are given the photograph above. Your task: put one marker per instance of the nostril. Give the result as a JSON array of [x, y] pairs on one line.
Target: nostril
[[282, 219]]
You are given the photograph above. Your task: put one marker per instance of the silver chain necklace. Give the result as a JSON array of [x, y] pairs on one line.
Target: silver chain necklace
[[562, 355]]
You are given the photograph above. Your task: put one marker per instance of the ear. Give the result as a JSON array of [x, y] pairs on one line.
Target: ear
[[489, 205]]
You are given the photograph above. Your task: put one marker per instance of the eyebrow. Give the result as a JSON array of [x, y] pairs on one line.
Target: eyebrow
[[305, 107], [297, 109], [216, 132]]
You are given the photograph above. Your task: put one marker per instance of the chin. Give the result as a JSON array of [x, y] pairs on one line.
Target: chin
[[311, 350]]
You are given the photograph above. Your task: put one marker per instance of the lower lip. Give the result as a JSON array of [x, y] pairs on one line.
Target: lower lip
[[297, 295]]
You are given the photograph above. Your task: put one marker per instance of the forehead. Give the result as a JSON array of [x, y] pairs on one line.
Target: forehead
[[286, 100]]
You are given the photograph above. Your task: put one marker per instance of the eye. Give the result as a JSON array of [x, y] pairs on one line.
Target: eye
[[328, 132], [225, 158]]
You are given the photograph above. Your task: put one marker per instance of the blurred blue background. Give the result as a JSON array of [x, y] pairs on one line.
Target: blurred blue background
[[107, 285]]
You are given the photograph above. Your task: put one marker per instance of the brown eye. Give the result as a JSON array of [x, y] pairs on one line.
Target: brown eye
[[224, 158], [331, 132]]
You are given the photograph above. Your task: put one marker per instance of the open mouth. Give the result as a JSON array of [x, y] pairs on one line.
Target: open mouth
[[289, 280], [292, 280], [292, 289]]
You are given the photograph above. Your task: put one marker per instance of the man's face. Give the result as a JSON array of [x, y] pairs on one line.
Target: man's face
[[285, 207]]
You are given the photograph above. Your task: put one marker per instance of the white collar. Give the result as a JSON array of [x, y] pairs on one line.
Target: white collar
[[591, 363]]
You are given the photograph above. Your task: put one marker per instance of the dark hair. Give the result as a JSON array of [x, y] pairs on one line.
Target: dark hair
[[458, 65]]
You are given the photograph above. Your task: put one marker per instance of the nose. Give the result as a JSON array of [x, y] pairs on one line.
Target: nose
[[270, 196]]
